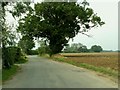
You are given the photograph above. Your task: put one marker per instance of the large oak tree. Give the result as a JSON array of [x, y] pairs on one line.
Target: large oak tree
[[58, 22]]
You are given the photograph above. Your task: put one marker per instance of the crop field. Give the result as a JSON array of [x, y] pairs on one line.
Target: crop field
[[106, 59]]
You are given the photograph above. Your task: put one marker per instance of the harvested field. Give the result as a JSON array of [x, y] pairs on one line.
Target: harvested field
[[107, 60]]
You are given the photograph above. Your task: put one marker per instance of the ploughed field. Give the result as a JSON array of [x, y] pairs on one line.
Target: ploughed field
[[106, 59]]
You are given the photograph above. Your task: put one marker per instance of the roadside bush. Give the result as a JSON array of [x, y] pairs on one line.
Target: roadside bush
[[18, 54], [7, 62], [12, 55], [22, 59]]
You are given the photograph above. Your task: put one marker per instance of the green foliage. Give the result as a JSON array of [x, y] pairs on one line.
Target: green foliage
[[78, 48], [26, 44], [58, 22], [12, 55], [7, 63], [83, 49], [96, 48], [59, 59], [33, 52], [21, 8], [22, 59], [7, 37], [43, 49]]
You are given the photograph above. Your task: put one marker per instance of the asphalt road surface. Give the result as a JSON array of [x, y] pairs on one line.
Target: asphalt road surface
[[40, 72]]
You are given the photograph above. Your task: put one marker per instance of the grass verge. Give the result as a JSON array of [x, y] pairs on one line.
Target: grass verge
[[8, 73], [102, 70]]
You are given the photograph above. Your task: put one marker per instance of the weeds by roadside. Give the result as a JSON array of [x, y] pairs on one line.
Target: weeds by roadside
[[8, 73]]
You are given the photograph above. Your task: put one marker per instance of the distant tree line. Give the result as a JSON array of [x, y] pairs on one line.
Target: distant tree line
[[80, 48], [73, 48]]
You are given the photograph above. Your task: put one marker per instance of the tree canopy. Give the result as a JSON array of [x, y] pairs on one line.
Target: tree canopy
[[26, 44], [58, 22], [96, 48]]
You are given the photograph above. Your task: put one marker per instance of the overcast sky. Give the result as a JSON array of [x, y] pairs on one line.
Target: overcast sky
[[105, 36]]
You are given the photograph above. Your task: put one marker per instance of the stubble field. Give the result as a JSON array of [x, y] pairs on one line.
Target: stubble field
[[107, 59]]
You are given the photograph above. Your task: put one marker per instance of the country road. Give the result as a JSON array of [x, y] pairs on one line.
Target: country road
[[40, 72]]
